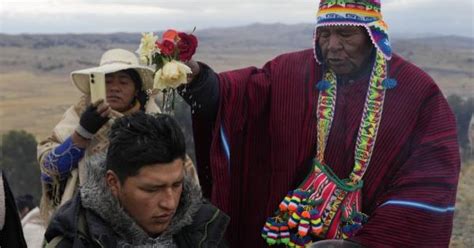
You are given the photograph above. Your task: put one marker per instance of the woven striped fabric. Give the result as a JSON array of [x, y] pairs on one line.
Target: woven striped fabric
[[262, 142]]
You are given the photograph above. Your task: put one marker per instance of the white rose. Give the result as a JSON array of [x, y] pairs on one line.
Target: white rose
[[147, 47], [172, 75]]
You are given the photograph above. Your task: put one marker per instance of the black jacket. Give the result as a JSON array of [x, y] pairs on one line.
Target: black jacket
[[11, 234], [207, 229]]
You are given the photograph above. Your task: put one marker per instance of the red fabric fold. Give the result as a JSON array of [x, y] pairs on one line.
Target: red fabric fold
[[268, 116]]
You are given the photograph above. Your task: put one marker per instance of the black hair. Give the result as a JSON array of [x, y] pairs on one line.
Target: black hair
[[135, 76], [25, 201], [141, 139]]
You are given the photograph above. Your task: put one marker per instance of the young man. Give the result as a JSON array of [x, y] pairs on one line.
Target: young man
[[139, 194], [386, 136]]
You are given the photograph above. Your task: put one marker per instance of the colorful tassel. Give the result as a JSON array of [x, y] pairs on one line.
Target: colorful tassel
[[271, 232], [275, 232], [316, 223], [266, 228], [303, 227], [286, 201], [350, 230], [295, 201], [294, 220], [389, 83], [323, 85], [284, 234], [299, 241]]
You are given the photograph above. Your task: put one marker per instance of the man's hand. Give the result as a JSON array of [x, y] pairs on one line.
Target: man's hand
[[195, 68]]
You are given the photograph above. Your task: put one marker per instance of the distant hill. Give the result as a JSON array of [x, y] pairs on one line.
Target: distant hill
[[65, 52], [224, 48], [35, 69], [447, 41]]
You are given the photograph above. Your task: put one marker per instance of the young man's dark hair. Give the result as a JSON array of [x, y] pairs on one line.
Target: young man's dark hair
[[139, 194], [25, 203], [141, 139]]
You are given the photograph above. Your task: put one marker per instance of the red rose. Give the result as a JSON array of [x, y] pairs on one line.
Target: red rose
[[166, 47], [170, 34], [187, 45]]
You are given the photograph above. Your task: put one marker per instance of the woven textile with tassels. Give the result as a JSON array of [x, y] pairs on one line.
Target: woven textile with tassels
[[324, 206]]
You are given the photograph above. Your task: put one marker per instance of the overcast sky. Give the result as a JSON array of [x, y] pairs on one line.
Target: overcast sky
[[106, 16]]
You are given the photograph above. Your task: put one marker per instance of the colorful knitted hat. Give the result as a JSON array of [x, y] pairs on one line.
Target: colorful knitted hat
[[365, 13]]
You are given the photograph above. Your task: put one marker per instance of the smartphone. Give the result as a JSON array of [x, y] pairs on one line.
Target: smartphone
[[97, 86]]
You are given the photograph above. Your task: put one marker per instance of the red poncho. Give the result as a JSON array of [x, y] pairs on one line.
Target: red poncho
[[266, 124]]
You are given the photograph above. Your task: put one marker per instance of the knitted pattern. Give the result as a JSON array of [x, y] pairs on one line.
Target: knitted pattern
[[61, 160], [365, 13]]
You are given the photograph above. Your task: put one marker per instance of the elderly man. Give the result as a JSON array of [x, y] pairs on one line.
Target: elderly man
[[140, 195], [363, 140]]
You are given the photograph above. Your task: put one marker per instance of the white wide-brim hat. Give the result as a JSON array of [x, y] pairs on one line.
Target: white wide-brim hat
[[112, 61]]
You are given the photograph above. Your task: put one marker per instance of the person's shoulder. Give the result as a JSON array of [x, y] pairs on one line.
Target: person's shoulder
[[82, 104], [59, 242], [301, 55], [405, 69], [410, 76], [77, 108], [63, 223], [291, 60], [208, 227], [208, 213], [70, 209], [33, 218], [305, 52]]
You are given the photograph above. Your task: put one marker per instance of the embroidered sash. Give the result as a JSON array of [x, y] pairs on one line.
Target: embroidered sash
[[324, 206]]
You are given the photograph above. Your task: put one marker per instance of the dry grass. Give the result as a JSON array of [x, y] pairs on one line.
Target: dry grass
[[463, 231], [34, 102]]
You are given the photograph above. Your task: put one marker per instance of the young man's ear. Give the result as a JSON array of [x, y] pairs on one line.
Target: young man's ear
[[113, 182]]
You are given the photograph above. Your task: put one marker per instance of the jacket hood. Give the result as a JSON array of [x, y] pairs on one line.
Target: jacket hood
[[97, 197]]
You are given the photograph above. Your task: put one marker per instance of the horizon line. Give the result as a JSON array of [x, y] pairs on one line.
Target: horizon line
[[397, 35]]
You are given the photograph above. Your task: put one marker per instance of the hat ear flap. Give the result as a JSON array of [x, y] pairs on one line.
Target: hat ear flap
[[316, 49], [380, 37]]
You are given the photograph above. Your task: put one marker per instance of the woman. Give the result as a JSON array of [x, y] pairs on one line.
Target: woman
[[84, 127]]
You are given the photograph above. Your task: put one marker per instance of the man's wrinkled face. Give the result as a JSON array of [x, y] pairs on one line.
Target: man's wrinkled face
[[345, 49], [152, 196]]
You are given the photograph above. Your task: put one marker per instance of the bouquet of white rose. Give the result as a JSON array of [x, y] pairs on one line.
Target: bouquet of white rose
[[168, 55]]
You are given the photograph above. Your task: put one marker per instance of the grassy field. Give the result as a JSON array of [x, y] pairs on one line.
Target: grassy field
[[463, 231], [33, 102]]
